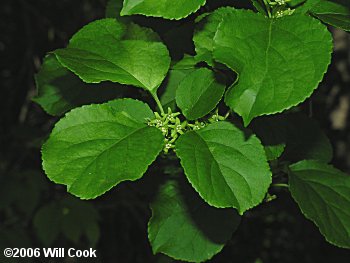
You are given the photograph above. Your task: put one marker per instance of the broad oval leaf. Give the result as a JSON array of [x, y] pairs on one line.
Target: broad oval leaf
[[279, 61], [227, 167], [169, 9], [59, 90], [184, 227], [175, 75], [99, 52], [323, 195], [95, 147], [296, 135], [198, 93]]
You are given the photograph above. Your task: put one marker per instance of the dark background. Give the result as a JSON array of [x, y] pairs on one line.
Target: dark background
[[272, 232]]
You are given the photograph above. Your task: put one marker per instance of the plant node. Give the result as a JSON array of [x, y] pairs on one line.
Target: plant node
[[171, 126]]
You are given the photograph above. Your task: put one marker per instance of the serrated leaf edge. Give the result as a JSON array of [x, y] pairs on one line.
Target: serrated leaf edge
[[250, 118], [218, 206], [97, 195], [306, 214], [161, 16], [169, 254]]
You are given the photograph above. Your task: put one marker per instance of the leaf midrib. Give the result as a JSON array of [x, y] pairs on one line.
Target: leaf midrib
[[110, 147], [221, 173], [104, 59]]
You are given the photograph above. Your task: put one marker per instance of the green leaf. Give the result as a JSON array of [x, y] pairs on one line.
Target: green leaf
[[168, 98], [273, 152], [59, 90], [98, 52], [29, 186], [134, 109], [168, 9], [199, 93], [47, 223], [113, 9], [78, 218], [22, 190], [333, 12], [302, 6], [71, 217], [279, 61], [175, 76], [133, 31], [227, 167], [184, 227], [259, 6], [323, 195], [95, 147], [136, 32], [92, 233], [204, 34], [296, 3], [301, 136]]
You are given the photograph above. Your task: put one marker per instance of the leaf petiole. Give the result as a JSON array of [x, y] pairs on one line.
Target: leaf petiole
[[159, 104]]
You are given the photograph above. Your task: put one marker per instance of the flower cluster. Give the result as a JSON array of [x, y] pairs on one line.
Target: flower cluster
[[278, 8], [172, 127]]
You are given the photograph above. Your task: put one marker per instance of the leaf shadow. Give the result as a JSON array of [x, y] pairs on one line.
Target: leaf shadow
[[75, 92], [216, 224]]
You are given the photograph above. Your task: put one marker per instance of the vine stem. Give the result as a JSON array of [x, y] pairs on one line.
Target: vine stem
[[281, 185], [159, 104]]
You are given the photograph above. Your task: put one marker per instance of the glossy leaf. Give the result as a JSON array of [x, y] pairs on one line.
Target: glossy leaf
[[162, 8], [299, 136], [98, 52], [95, 147], [199, 93], [227, 167], [184, 227], [136, 32], [323, 195], [59, 90], [280, 62], [176, 74]]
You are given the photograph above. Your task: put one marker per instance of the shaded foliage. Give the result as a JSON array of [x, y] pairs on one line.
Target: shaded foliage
[[275, 232]]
